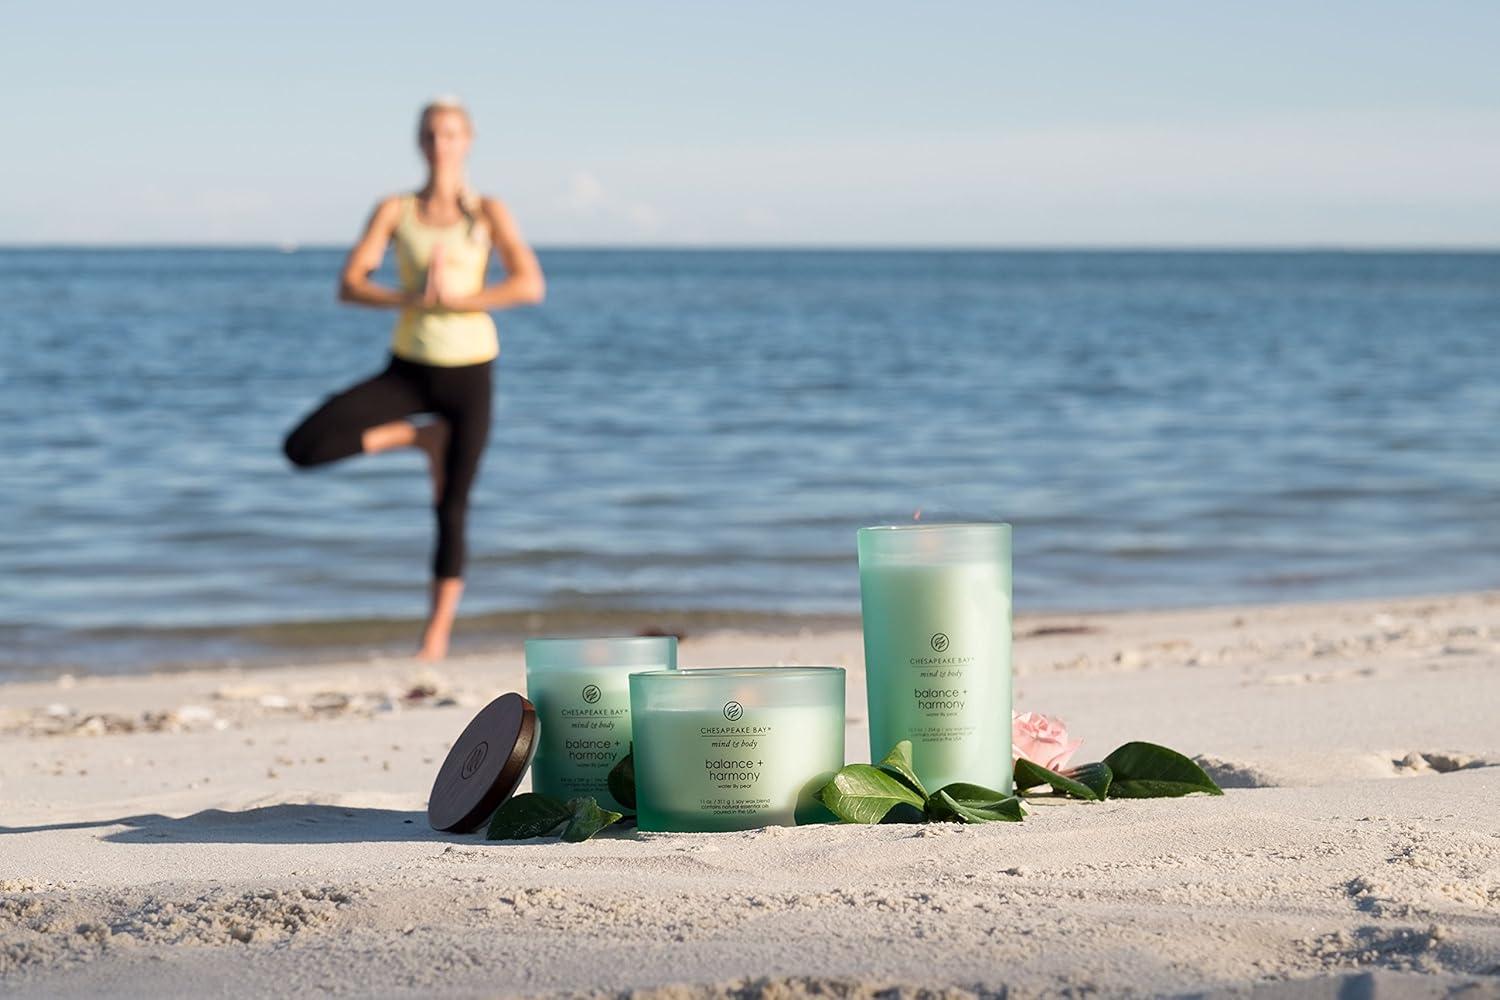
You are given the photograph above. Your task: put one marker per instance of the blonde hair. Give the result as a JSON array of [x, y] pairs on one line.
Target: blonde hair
[[446, 102], [468, 198]]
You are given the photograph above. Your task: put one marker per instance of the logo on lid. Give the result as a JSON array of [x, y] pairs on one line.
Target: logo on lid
[[475, 758]]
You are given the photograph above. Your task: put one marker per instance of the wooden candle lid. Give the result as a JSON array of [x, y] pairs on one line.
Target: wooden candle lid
[[484, 767]]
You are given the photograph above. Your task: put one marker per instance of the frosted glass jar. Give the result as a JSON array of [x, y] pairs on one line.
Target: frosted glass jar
[[936, 608], [581, 690], [735, 748]]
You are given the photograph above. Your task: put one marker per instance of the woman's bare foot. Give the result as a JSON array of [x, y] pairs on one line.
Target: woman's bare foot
[[432, 438]]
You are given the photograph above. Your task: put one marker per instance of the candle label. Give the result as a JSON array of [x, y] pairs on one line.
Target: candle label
[[584, 728], [730, 767], [938, 698], [734, 759]]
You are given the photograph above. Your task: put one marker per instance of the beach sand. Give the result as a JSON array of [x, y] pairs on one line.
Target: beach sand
[[262, 831]]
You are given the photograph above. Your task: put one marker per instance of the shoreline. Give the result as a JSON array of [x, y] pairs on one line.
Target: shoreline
[[265, 645]]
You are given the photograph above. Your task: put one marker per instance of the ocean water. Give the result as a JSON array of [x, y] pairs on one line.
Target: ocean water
[[695, 432]]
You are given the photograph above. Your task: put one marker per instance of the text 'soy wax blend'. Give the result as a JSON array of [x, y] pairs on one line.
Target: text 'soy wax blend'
[[735, 748], [581, 690], [935, 600]]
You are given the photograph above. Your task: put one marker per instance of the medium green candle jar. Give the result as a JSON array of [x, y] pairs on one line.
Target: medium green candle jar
[[735, 748], [936, 607], [581, 690]]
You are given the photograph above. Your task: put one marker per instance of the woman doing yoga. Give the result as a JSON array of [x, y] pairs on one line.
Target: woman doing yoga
[[443, 347]]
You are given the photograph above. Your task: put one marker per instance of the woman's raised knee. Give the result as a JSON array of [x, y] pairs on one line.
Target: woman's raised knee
[[300, 449]]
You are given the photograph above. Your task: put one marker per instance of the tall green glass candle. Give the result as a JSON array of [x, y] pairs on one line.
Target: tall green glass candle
[[735, 748], [935, 601], [581, 690]]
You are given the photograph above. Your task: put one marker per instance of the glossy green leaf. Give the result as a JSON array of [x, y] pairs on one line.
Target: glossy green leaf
[[973, 794], [903, 812], [863, 793], [1148, 771], [621, 780], [898, 763], [1029, 776], [1095, 777], [528, 815], [964, 803], [587, 819]]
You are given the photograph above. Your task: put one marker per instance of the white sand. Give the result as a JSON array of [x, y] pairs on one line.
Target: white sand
[[262, 832]]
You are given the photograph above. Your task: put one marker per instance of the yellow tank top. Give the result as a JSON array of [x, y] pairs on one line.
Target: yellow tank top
[[442, 336]]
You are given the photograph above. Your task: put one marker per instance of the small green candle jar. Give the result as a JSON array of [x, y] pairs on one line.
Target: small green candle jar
[[581, 690], [935, 603], [735, 748]]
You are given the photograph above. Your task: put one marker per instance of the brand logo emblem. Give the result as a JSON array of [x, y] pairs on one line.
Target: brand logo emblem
[[591, 693], [733, 710], [475, 758], [939, 641]]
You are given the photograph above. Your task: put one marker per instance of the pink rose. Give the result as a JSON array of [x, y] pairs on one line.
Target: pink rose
[[1041, 740]]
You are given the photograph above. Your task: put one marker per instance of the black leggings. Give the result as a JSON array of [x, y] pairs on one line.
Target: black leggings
[[460, 395]]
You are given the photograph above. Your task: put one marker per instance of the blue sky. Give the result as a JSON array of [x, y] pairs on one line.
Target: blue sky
[[1335, 123]]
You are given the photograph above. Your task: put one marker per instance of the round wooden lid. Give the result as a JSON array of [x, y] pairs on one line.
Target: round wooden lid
[[484, 767]]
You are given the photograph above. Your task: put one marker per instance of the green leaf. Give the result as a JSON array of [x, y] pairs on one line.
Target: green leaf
[[964, 803], [863, 793], [898, 764], [1095, 777], [1148, 771], [941, 808], [971, 794], [587, 819], [530, 814], [1030, 775], [903, 812], [621, 779], [1027, 778]]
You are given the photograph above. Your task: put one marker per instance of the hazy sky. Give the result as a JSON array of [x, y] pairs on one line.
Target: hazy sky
[[1351, 123]]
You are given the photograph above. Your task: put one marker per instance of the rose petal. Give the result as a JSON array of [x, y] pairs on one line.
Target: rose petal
[[1041, 739]]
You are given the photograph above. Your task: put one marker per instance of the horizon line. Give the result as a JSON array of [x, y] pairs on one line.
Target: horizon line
[[290, 247]]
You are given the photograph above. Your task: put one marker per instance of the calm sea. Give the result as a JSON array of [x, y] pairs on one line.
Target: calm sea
[[679, 433]]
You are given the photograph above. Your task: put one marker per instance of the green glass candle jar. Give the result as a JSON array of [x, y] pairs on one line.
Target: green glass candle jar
[[581, 690], [735, 748], [936, 607]]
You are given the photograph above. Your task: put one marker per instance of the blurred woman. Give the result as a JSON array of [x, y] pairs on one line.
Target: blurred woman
[[443, 347]]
